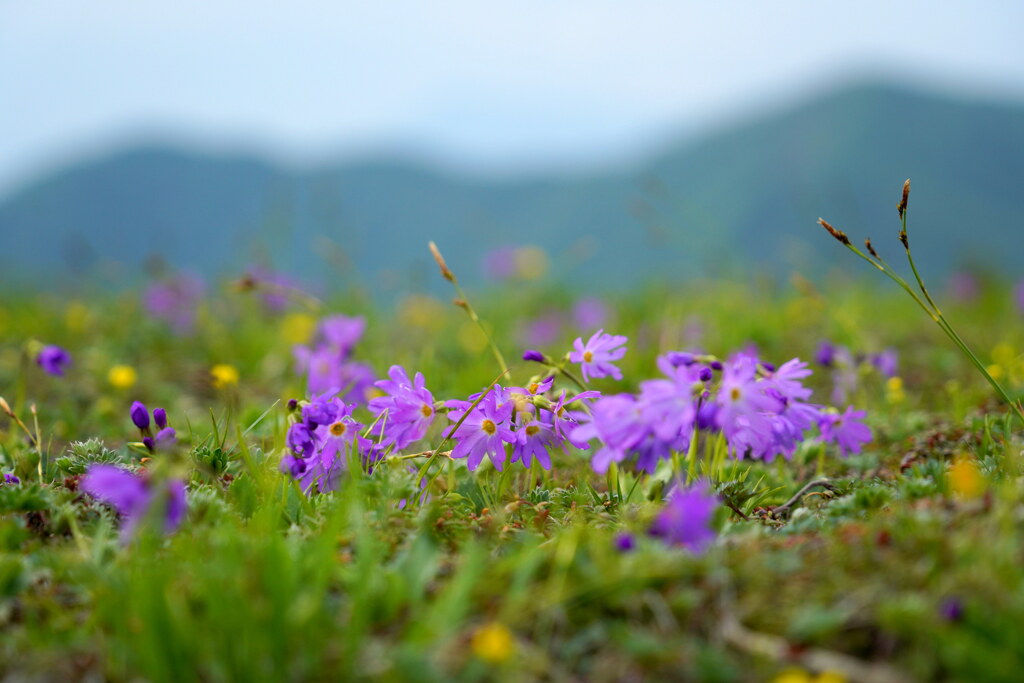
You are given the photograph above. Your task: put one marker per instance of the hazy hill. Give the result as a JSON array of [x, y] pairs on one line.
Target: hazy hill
[[744, 195]]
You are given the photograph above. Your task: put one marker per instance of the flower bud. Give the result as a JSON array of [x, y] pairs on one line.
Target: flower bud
[[534, 356], [140, 415], [160, 417]]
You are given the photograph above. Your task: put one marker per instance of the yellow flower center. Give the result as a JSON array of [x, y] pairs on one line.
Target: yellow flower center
[[734, 394], [426, 410], [338, 429], [532, 429], [489, 426], [588, 356]]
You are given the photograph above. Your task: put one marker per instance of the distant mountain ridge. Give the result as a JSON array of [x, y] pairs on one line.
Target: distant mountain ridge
[[744, 197]]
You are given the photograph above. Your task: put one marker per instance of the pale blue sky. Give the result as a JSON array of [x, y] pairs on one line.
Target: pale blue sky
[[498, 86]]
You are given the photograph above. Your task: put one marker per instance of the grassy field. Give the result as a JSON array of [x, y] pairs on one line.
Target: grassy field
[[906, 564]]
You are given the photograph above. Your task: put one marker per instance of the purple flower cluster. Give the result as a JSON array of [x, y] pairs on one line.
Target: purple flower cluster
[[174, 301], [530, 423], [846, 366], [327, 362], [53, 360], [165, 436], [10, 479], [760, 411], [321, 440], [134, 495]]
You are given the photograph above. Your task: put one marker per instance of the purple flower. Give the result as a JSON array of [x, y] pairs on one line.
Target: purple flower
[[846, 430], [133, 496], [886, 362], [564, 421], [10, 479], [342, 333], [485, 430], [160, 417], [174, 301], [624, 542], [686, 518], [964, 286], [826, 354], [273, 287], [533, 439], [406, 412], [327, 362], [140, 416], [597, 354], [500, 263], [589, 313], [952, 609], [320, 442], [618, 422], [744, 408], [543, 330], [53, 360]]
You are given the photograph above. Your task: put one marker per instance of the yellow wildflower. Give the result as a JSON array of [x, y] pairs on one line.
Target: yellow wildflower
[[297, 328], [531, 262], [493, 643], [122, 376], [224, 375], [965, 478], [894, 390]]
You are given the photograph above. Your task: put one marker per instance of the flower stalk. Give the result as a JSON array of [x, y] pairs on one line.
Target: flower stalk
[[924, 300]]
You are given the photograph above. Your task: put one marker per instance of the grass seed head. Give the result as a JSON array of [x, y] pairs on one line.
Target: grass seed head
[[838, 234]]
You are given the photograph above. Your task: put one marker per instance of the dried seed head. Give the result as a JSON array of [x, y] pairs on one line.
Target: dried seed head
[[445, 271], [902, 206], [838, 234], [904, 240], [871, 249], [461, 303], [5, 407]]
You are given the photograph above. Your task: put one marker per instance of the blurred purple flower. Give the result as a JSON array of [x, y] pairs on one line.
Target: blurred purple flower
[[886, 362], [327, 363], [10, 479], [53, 360], [589, 312], [544, 330], [952, 609], [174, 301], [846, 430], [133, 496], [500, 263], [964, 287], [686, 518], [624, 542], [272, 286], [342, 333], [826, 354]]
